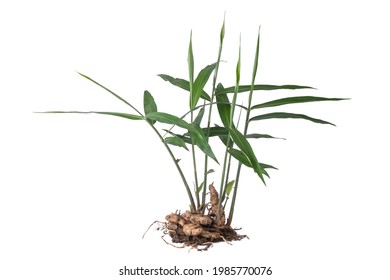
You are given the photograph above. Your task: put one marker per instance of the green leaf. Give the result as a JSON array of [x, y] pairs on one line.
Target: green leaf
[[183, 84], [200, 83], [264, 165], [149, 104], [223, 106], [257, 135], [200, 187], [195, 132], [213, 131], [222, 33], [261, 87], [283, 115], [169, 119], [116, 114], [256, 63], [241, 157], [293, 100], [176, 141], [202, 184], [202, 143], [229, 187], [190, 61], [185, 138], [199, 117], [223, 136], [240, 140], [110, 91]]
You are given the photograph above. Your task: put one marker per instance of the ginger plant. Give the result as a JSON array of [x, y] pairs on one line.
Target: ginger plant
[[207, 222]]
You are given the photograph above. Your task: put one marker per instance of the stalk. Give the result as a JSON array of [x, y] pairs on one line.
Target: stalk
[[194, 166], [156, 131], [231, 125], [177, 167], [231, 212], [190, 59], [222, 35]]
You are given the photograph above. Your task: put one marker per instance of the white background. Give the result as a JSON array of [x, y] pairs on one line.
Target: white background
[[77, 192]]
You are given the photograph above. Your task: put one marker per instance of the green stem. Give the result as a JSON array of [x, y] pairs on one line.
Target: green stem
[[231, 213], [194, 166], [222, 35], [177, 166], [156, 131], [231, 125]]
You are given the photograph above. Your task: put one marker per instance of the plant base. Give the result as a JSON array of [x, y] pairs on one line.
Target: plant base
[[185, 229], [200, 231]]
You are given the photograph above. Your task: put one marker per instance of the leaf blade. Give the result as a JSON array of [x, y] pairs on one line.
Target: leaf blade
[[149, 104], [223, 106], [116, 114], [200, 82], [283, 115], [244, 88], [183, 84], [240, 140], [257, 136], [294, 100], [176, 141], [195, 132]]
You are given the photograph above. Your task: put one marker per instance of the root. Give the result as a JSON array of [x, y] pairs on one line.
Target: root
[[199, 231], [217, 211]]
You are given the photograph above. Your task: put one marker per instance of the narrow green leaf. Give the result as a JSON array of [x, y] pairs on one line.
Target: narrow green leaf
[[195, 132], [116, 114], [256, 63], [241, 157], [200, 83], [257, 136], [223, 106], [183, 84], [149, 104], [222, 136], [110, 91], [240, 140], [238, 67], [169, 119], [200, 188], [244, 88], [176, 141], [282, 115], [265, 166], [190, 61], [229, 187], [202, 184], [222, 33], [213, 131], [199, 117], [201, 141], [185, 138], [293, 100]]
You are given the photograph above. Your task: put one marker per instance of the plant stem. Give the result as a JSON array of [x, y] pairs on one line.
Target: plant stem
[[231, 126], [156, 131], [177, 167], [194, 166], [231, 212], [222, 35]]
